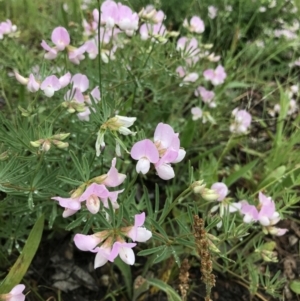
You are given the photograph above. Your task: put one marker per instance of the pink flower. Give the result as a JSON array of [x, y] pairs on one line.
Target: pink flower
[[242, 121], [93, 195], [207, 96], [109, 14], [16, 294], [188, 46], [89, 242], [50, 85], [7, 28], [221, 189], [212, 11], [137, 232], [216, 76], [71, 205], [145, 152], [52, 52], [60, 37], [168, 149], [147, 30], [124, 250], [65, 79], [266, 215], [113, 178], [196, 113], [196, 25], [127, 20], [76, 54], [191, 77], [33, 85], [80, 82]]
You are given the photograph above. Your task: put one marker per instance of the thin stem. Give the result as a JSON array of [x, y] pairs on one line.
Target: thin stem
[[99, 53]]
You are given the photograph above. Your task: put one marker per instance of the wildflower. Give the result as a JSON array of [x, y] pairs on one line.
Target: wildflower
[[224, 206], [89, 242], [7, 28], [61, 38], [50, 85], [212, 12], [124, 250], [150, 13], [265, 214], [196, 113], [196, 25], [92, 195], [207, 96], [137, 232], [216, 76], [145, 152], [242, 121], [16, 294], [71, 205], [153, 30], [168, 150]]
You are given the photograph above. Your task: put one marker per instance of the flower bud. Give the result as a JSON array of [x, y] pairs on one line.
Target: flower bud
[[37, 143], [78, 192], [269, 256], [209, 194], [198, 186], [60, 144], [3, 156], [61, 136]]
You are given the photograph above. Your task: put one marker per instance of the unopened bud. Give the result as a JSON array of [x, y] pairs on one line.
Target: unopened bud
[[78, 192], [209, 194], [60, 144], [21, 79], [61, 136], [3, 156], [198, 186], [173, 34], [37, 143], [269, 256]]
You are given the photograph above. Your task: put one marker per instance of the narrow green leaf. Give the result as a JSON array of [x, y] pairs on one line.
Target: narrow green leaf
[[78, 165], [240, 173], [23, 262], [295, 286], [187, 134], [69, 181], [126, 273], [172, 295]]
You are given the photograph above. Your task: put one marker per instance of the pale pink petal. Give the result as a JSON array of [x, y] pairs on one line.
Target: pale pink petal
[[86, 242], [145, 148], [60, 37], [80, 81]]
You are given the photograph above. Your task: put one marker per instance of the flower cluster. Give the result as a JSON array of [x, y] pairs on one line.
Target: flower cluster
[[113, 242], [241, 122], [94, 192], [265, 214], [49, 85], [61, 39], [162, 152], [75, 100]]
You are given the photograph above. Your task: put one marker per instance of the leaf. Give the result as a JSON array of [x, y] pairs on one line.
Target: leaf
[[126, 273], [237, 85], [240, 173], [23, 262], [295, 286], [172, 295], [187, 134]]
